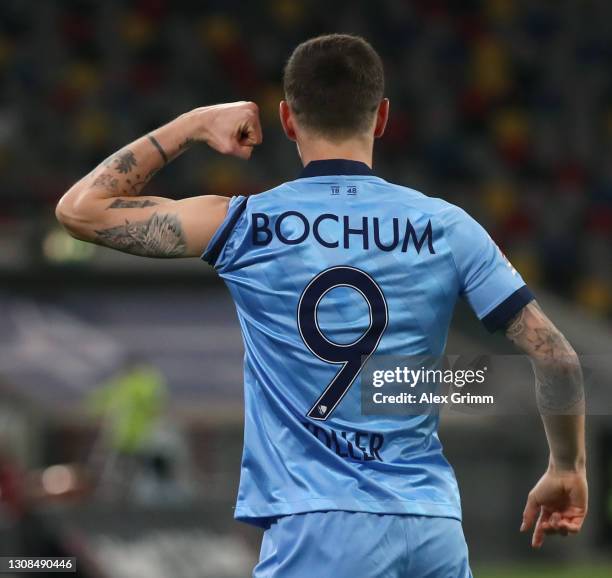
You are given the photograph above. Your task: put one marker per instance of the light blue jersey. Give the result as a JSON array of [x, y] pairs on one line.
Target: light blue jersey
[[325, 271]]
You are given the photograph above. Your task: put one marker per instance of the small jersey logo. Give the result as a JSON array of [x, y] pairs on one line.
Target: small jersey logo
[[322, 409], [507, 261], [350, 190], [503, 256]]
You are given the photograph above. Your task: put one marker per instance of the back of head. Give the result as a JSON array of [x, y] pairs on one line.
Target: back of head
[[334, 84]]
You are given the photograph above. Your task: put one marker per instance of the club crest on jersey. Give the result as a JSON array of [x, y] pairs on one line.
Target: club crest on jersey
[[322, 409], [507, 261]]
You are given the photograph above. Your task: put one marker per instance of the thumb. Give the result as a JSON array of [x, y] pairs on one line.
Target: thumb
[[530, 514]]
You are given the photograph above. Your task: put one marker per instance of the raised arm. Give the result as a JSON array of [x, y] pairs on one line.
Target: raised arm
[[105, 206], [558, 502]]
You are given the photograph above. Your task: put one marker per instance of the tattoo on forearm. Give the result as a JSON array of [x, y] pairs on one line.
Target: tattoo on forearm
[[127, 204], [158, 236], [559, 390], [161, 150], [123, 162], [559, 381], [186, 143], [135, 186], [108, 181], [119, 174], [132, 187]]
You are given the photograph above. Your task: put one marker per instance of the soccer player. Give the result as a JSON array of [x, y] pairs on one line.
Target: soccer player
[[326, 270]]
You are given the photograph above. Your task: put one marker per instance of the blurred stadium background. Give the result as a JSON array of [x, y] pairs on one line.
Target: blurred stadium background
[[120, 377]]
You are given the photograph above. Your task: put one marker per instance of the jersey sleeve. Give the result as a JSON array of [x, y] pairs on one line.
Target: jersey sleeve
[[215, 253], [491, 285]]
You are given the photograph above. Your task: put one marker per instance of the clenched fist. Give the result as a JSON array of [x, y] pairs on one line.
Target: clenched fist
[[231, 129]]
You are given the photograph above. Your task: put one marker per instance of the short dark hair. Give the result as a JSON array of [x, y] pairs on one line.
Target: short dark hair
[[334, 84]]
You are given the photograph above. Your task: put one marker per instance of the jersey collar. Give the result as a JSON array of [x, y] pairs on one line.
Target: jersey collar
[[332, 167]]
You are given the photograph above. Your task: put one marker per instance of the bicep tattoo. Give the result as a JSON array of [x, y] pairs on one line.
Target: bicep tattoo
[[157, 236], [129, 204], [516, 326], [535, 334]]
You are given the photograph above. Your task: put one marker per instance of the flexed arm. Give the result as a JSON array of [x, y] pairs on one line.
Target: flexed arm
[[104, 207], [558, 502]]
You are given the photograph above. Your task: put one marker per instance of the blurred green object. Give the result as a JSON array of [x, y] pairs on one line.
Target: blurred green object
[[130, 406], [548, 571]]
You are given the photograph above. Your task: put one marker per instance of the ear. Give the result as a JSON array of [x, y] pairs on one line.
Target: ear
[[382, 116], [286, 118]]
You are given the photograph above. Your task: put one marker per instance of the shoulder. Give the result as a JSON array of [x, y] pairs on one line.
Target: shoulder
[[438, 208], [269, 195]]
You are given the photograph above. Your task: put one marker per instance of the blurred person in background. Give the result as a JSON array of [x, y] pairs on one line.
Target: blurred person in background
[[316, 473], [140, 455]]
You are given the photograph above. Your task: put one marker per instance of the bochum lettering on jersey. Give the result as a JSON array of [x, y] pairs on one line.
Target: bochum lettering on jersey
[[365, 232]]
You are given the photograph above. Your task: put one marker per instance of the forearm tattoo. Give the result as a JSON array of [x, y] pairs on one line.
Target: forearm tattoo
[[559, 382], [123, 162], [108, 181], [186, 144], [157, 236], [120, 174], [162, 152]]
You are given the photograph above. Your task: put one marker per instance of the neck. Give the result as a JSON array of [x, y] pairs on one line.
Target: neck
[[358, 149]]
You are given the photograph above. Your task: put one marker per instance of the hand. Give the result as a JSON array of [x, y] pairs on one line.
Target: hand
[[557, 504], [231, 129]]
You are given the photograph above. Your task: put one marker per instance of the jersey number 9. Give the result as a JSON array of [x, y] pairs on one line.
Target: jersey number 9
[[351, 356]]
